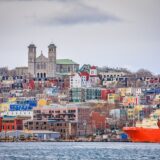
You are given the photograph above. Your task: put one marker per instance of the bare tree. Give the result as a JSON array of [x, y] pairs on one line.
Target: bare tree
[[144, 73]]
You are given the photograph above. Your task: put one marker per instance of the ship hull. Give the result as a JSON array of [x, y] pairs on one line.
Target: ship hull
[[148, 135]]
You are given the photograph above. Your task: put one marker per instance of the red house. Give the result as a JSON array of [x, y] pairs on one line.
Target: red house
[[84, 74], [105, 92], [11, 123], [98, 121], [0, 124]]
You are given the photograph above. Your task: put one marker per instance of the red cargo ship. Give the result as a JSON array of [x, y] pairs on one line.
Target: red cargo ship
[[136, 134], [147, 131]]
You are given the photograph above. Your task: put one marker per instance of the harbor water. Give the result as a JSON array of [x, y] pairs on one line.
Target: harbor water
[[79, 151]]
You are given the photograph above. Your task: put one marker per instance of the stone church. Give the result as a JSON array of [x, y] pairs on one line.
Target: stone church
[[41, 66]]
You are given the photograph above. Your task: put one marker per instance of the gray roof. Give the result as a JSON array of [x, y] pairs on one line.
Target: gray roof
[[52, 46], [31, 46]]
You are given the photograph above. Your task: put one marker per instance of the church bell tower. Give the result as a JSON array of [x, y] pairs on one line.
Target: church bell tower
[[31, 59], [52, 60]]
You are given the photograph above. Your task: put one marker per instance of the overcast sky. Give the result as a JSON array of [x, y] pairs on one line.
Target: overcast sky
[[115, 33]]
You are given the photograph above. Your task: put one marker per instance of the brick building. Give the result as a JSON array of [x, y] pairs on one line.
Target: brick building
[[70, 121], [98, 121]]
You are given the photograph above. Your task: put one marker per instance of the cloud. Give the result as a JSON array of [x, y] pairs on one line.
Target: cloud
[[40, 0], [78, 13], [63, 12]]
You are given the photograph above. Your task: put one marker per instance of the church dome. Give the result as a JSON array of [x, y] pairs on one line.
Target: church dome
[[52, 46], [31, 46]]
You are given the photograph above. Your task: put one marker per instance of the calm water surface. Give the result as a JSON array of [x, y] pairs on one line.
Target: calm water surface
[[79, 151]]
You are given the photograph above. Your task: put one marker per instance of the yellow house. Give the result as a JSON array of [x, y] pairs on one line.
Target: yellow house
[[11, 100], [112, 98], [157, 99], [133, 113], [125, 91], [130, 113], [138, 108], [4, 107], [122, 91]]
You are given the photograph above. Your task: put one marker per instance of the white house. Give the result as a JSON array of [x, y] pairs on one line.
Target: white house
[[94, 80], [75, 81]]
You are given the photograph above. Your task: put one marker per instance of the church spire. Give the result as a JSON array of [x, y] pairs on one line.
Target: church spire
[[41, 53]]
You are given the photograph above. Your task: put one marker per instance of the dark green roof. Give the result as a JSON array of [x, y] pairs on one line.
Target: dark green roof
[[8, 117], [65, 61]]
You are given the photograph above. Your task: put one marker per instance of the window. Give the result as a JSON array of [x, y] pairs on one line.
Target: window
[[50, 50], [38, 67], [44, 65]]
